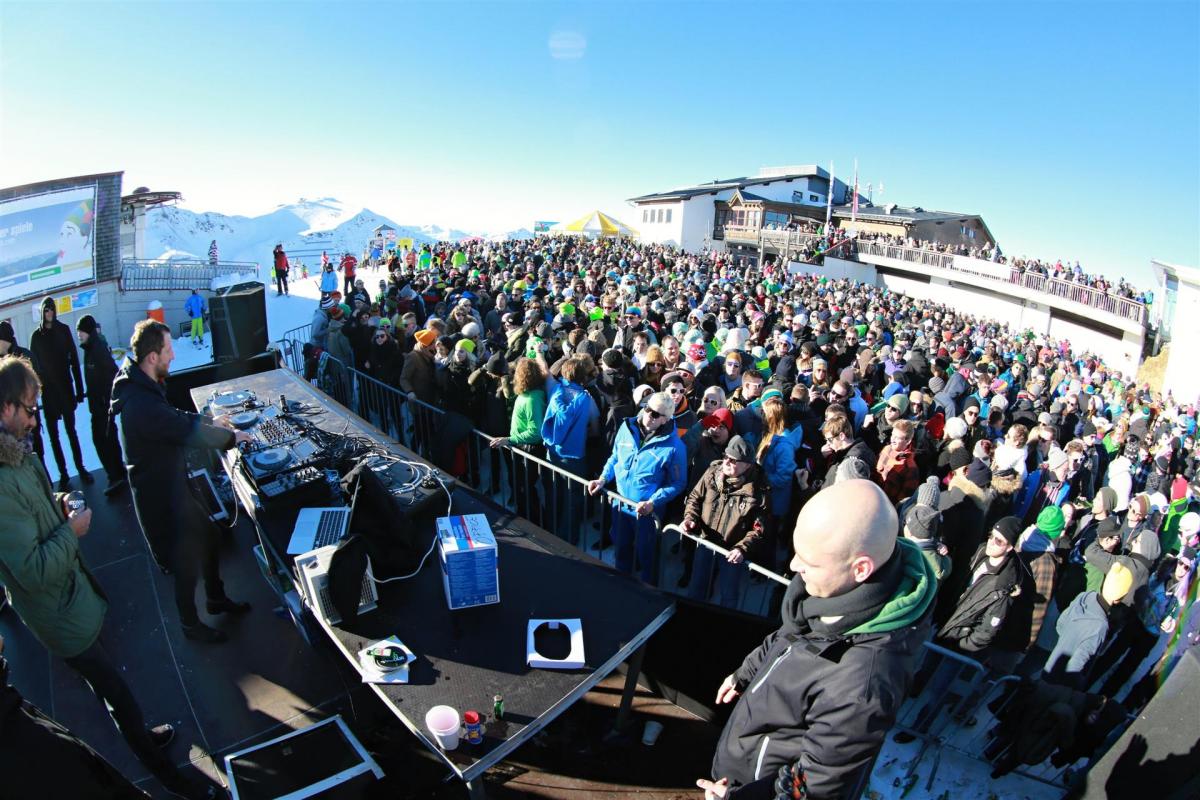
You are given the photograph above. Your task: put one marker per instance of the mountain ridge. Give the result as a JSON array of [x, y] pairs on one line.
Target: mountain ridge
[[304, 228]]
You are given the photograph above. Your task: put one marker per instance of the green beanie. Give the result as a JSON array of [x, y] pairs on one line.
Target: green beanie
[[1050, 521]]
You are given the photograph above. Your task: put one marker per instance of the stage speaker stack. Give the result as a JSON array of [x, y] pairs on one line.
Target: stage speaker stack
[[239, 322], [1161, 749]]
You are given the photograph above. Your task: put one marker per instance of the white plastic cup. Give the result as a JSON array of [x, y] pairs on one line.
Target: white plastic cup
[[443, 723]]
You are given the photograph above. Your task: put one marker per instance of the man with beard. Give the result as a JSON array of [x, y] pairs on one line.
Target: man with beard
[[156, 436]]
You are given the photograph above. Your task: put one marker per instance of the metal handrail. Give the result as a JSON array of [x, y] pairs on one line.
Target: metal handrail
[[724, 553], [1124, 307], [357, 390], [140, 274]]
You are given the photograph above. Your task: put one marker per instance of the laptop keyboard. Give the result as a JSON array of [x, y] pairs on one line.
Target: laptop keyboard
[[329, 528]]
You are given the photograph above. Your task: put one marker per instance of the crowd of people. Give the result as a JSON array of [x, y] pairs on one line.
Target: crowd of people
[[1059, 270], [1044, 489], [921, 473]]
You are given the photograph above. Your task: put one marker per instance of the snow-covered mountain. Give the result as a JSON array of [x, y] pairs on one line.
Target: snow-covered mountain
[[305, 228]]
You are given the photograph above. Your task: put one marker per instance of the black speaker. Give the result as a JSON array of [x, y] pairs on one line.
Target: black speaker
[[1160, 748], [239, 322]]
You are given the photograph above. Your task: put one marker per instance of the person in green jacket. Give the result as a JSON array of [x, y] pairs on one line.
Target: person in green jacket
[[52, 589], [525, 433]]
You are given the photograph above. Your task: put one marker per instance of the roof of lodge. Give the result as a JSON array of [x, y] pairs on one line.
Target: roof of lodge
[[900, 214], [730, 183]]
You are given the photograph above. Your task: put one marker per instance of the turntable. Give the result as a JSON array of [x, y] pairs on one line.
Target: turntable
[[244, 419], [224, 402], [273, 459]]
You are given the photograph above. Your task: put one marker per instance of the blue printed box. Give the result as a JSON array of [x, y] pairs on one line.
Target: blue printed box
[[469, 558]]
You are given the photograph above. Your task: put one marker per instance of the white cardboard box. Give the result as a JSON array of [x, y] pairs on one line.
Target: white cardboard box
[[469, 559], [574, 660]]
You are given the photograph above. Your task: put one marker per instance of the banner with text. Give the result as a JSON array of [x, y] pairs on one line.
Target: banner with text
[[47, 241]]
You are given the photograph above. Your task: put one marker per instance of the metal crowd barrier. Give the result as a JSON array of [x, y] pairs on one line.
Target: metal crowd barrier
[[952, 712], [528, 485]]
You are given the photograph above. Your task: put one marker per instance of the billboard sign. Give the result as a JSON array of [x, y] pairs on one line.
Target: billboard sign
[[46, 241]]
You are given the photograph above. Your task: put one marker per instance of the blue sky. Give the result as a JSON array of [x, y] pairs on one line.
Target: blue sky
[[1073, 128]]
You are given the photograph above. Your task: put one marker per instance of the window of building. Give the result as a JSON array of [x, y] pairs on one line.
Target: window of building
[[814, 198], [777, 218], [645, 215], [660, 215], [668, 215]]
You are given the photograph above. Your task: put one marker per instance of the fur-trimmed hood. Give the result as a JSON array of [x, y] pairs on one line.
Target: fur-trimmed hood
[[1006, 484], [12, 450], [977, 494]]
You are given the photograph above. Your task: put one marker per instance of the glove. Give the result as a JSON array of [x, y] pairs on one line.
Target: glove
[[79, 398]]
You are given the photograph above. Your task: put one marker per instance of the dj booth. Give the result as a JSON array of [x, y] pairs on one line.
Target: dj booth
[[304, 444]]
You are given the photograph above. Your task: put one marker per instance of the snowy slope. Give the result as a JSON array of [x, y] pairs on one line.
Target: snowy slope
[[305, 228]]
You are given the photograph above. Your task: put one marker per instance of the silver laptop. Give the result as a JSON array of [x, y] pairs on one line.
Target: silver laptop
[[318, 527]]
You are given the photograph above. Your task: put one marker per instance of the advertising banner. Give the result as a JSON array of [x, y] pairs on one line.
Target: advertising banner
[[47, 241]]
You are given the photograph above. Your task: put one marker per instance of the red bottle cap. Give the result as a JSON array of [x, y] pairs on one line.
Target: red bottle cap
[[471, 717]]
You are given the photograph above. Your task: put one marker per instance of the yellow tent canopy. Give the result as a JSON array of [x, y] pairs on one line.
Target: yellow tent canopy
[[595, 223]]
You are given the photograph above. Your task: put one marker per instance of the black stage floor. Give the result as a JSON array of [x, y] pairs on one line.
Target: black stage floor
[[267, 680]]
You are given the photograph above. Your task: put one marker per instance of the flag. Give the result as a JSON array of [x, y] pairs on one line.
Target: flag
[[854, 197], [829, 200]]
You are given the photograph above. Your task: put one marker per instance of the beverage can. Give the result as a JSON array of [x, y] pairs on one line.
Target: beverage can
[[473, 726]]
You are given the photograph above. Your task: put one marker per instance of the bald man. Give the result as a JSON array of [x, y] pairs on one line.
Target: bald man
[[816, 699]]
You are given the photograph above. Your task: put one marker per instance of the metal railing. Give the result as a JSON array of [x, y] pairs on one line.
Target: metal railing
[[952, 709], [789, 240], [146, 274], [1124, 307], [960, 707], [524, 482]]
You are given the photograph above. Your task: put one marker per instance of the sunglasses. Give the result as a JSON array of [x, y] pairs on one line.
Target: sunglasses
[[30, 410], [675, 390], [654, 414], [837, 395]]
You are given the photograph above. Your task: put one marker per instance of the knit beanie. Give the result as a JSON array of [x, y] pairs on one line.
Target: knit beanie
[[922, 522], [979, 473], [1009, 528], [7, 334], [1117, 583], [86, 324], [852, 468], [465, 344], [425, 338], [1050, 521], [739, 450], [929, 493], [1106, 497], [956, 428], [722, 416], [959, 458]]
